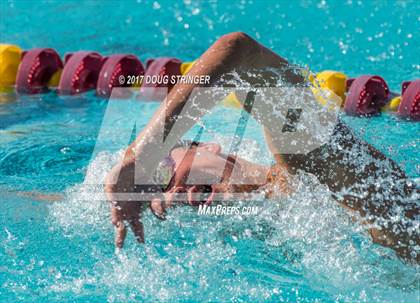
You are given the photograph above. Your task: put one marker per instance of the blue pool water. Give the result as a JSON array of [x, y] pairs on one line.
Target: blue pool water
[[303, 249]]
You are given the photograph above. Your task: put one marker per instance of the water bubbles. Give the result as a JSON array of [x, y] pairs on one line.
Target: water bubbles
[[322, 4], [343, 46], [156, 5], [379, 35], [65, 150]]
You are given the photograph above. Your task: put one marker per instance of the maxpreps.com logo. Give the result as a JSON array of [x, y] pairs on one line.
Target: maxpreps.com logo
[[223, 210]]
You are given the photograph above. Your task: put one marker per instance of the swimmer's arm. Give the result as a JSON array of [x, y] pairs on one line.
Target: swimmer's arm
[[235, 51]]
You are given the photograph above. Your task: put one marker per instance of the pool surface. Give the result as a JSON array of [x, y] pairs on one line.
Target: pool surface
[[56, 241]]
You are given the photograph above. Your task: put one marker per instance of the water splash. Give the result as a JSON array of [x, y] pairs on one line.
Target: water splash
[[305, 246]]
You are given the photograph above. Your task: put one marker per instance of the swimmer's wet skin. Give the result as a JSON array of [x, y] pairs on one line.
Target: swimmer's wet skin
[[334, 164]]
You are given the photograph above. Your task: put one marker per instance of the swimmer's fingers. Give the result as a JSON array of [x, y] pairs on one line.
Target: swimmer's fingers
[[193, 193], [120, 233], [121, 217], [120, 228], [173, 195], [212, 195], [138, 229], [158, 208], [116, 214]]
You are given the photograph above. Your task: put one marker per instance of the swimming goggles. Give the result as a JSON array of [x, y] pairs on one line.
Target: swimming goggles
[[166, 168]]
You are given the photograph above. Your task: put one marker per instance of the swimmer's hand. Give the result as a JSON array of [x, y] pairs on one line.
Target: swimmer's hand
[[124, 213]]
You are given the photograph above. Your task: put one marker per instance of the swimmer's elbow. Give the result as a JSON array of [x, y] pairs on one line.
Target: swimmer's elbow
[[235, 38], [236, 41]]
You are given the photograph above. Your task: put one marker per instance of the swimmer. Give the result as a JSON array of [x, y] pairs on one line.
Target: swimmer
[[378, 201]]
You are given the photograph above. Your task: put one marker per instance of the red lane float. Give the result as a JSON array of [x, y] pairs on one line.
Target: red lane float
[[410, 100], [366, 95], [80, 73], [116, 71], [41, 68], [157, 71], [36, 69]]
